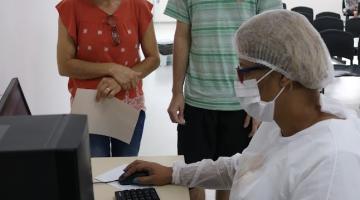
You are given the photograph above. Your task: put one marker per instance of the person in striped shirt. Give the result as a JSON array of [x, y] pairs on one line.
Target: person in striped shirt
[[204, 103]]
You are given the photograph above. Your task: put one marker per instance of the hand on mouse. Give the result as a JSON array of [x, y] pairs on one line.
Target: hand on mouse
[[158, 174]]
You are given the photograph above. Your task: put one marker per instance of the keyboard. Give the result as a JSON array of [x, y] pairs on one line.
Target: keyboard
[[138, 194]]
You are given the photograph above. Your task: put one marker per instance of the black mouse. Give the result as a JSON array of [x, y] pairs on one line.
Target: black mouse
[[129, 180]]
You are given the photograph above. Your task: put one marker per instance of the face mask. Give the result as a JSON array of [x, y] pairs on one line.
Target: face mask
[[248, 93]]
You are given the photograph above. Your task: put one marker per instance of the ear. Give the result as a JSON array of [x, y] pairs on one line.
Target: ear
[[285, 82]]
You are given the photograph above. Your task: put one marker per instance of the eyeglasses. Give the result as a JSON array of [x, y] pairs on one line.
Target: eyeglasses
[[241, 72], [111, 21]]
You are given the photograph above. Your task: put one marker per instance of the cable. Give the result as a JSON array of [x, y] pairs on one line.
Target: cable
[[105, 181]]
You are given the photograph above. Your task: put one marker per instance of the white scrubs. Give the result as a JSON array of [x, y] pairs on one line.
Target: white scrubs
[[320, 162]]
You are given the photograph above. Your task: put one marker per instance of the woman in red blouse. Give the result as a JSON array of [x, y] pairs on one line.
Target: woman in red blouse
[[98, 48]]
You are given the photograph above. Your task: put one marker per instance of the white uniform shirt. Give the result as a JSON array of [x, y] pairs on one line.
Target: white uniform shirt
[[320, 162]]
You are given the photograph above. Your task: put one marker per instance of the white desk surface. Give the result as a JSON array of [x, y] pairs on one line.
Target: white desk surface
[[107, 192]]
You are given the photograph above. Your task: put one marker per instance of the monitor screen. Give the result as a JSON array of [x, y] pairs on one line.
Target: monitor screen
[[13, 101]]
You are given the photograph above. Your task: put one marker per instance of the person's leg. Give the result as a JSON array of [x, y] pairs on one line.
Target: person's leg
[[222, 194], [119, 148], [99, 145], [232, 138], [197, 139], [197, 194]]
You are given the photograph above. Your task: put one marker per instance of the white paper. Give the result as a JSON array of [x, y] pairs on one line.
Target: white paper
[[110, 117], [114, 174]]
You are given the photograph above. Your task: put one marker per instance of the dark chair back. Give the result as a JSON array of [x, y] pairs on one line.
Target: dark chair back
[[339, 43], [353, 26], [304, 9], [328, 14], [308, 16], [324, 23]]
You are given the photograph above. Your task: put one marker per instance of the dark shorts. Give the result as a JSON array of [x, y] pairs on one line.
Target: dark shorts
[[210, 134]]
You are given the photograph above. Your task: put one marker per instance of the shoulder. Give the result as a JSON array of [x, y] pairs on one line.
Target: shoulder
[[67, 2], [332, 143], [73, 3]]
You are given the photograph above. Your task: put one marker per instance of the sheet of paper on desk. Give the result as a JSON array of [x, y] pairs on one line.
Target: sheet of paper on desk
[[114, 175], [110, 117]]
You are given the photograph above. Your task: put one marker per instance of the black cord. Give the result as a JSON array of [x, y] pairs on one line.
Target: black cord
[[105, 182]]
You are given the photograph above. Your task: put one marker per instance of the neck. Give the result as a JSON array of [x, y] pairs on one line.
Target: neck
[[304, 112], [106, 2]]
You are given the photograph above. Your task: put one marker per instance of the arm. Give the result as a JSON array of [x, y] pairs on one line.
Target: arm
[[206, 173], [182, 41], [69, 66], [151, 53]]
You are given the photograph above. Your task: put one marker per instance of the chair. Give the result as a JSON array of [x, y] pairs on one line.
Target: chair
[[353, 26], [303, 9], [339, 43], [284, 6], [324, 23], [308, 16], [328, 14], [165, 49]]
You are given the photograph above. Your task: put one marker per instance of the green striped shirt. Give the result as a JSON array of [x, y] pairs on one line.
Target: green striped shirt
[[210, 75]]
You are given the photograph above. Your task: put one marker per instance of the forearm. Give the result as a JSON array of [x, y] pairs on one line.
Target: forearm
[[181, 60], [147, 66], [206, 173], [80, 69]]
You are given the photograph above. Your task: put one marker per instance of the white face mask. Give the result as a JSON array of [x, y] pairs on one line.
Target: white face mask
[[249, 95]]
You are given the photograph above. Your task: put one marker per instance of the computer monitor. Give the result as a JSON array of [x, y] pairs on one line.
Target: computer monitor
[[13, 101], [45, 157]]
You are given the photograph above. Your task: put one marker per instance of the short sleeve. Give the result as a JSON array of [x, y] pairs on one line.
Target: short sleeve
[[264, 5], [144, 15], [179, 10], [66, 9]]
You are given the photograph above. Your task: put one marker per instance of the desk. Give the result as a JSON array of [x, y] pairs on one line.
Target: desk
[[107, 192]]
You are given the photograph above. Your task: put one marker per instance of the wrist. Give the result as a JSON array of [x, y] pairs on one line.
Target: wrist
[[176, 91], [169, 178], [111, 70]]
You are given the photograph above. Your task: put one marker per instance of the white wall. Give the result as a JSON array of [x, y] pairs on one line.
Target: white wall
[[28, 50]]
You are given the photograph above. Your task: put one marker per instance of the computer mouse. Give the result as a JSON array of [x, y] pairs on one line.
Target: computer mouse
[[130, 179]]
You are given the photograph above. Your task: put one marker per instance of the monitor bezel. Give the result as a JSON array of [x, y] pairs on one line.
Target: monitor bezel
[[12, 85]]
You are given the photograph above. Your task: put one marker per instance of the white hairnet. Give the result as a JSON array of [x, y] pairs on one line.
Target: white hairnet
[[286, 42]]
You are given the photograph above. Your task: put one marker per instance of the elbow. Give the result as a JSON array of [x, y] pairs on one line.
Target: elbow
[[156, 61], [62, 70]]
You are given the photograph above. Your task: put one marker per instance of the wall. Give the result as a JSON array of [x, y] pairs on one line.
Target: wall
[[28, 51]]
